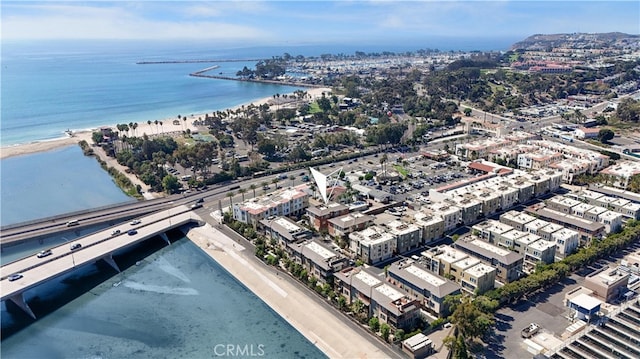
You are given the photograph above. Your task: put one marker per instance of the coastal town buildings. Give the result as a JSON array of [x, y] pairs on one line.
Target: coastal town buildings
[[622, 172], [508, 264], [320, 214], [373, 244], [286, 202], [343, 225], [285, 231], [319, 260], [428, 288]]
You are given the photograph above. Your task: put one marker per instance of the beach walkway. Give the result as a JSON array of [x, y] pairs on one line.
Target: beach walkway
[[325, 328]]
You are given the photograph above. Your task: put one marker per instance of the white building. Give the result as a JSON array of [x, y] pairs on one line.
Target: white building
[[373, 244], [566, 241]]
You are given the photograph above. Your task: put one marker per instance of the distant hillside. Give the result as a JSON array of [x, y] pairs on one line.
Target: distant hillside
[[577, 41]]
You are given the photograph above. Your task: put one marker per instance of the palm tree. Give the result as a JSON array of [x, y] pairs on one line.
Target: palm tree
[[160, 122], [292, 178], [149, 123], [131, 126], [264, 184], [135, 126], [383, 160], [275, 181], [156, 122], [253, 188], [242, 191], [230, 194]]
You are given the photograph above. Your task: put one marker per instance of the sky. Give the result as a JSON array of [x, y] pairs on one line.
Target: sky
[[308, 22]]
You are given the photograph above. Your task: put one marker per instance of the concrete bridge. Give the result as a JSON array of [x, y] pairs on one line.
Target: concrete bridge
[[97, 246]]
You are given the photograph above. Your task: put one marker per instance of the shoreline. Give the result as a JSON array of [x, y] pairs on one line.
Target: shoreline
[[168, 127], [322, 327]]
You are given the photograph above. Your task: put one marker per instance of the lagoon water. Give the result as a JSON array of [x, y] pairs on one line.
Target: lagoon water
[[178, 302], [54, 182]]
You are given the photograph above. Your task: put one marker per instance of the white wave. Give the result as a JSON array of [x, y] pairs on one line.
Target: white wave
[[160, 288], [171, 269]]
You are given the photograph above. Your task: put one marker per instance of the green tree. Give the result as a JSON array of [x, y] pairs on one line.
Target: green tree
[[470, 321], [385, 330], [467, 112], [605, 135], [342, 302], [374, 324], [253, 188], [170, 184]]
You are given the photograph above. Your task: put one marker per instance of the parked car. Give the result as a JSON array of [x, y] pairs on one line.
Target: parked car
[[44, 253], [75, 246], [14, 277]]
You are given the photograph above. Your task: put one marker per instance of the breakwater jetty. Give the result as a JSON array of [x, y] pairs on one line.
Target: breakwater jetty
[[262, 81], [192, 61]]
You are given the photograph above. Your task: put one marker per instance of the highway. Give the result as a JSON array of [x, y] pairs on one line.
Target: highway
[[96, 246]]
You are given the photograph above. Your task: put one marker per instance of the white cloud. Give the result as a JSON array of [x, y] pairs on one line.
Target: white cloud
[[94, 22]]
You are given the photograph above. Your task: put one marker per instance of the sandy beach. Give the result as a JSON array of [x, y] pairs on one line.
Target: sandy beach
[[168, 127], [325, 328]]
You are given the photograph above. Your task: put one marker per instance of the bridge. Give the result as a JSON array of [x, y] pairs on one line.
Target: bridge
[[97, 246], [25, 231]]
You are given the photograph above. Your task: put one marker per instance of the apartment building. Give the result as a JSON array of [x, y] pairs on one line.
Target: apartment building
[[490, 229], [343, 225], [373, 244], [477, 278], [622, 172], [508, 264], [539, 251], [516, 219], [432, 226], [286, 202], [566, 241], [394, 308], [408, 235], [451, 215], [320, 214], [440, 259], [319, 260], [418, 282], [587, 229], [285, 231]]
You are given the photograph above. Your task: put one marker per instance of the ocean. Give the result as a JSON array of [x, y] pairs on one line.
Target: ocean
[[177, 302]]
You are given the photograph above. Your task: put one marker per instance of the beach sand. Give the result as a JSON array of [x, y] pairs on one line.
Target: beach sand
[[325, 328], [168, 127]]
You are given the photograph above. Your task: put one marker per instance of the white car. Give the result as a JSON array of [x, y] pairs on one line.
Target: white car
[[134, 222]]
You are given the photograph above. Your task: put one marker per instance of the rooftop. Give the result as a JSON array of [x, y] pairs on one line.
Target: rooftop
[[480, 269]]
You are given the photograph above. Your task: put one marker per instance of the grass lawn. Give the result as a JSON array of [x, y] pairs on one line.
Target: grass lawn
[[314, 108], [401, 170]]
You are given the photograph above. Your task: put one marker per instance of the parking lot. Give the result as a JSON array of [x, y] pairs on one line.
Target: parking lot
[[547, 309]]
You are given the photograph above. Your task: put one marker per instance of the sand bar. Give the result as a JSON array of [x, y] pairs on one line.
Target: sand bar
[[168, 127], [324, 328]]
